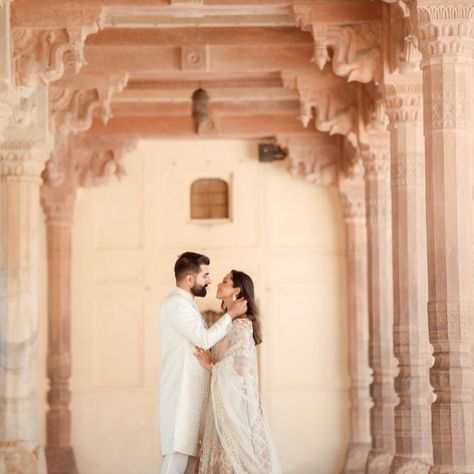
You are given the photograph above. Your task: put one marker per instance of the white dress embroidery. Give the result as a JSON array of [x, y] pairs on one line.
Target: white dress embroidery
[[236, 439]]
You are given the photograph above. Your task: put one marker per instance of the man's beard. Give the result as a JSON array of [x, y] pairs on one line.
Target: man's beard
[[198, 290]]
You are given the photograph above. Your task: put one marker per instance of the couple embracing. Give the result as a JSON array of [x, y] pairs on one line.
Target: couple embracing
[[211, 417]]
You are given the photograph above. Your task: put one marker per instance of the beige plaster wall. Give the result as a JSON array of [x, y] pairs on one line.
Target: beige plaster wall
[[287, 234]]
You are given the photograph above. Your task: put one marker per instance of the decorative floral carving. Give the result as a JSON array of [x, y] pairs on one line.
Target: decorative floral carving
[[404, 99], [194, 58], [446, 29]]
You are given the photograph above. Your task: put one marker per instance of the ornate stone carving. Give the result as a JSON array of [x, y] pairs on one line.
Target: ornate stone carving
[[73, 109], [378, 463], [446, 29], [314, 159], [355, 48], [22, 159], [335, 109], [404, 98], [194, 58], [41, 56]]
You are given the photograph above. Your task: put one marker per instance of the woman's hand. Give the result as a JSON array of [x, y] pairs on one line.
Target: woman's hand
[[204, 357]]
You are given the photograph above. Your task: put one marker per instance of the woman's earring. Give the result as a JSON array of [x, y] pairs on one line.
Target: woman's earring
[[234, 298]]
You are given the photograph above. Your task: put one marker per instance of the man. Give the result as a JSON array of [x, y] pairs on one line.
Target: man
[[184, 384]]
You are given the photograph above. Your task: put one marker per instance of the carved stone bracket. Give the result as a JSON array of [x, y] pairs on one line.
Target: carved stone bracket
[[315, 158], [41, 55], [84, 166], [353, 49], [334, 109], [73, 110]]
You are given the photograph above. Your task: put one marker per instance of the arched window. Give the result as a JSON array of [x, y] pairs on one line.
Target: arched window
[[209, 199]]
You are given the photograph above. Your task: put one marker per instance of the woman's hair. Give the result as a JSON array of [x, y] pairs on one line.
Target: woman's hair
[[242, 281]]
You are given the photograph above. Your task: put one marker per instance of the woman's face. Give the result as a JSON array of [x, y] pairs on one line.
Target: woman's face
[[225, 288]]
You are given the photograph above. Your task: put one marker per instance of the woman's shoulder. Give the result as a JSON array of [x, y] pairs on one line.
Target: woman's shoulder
[[242, 322]]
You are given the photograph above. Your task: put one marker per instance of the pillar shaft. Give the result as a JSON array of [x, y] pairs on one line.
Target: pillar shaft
[[58, 204], [21, 164], [377, 181], [352, 192], [446, 42], [410, 288]]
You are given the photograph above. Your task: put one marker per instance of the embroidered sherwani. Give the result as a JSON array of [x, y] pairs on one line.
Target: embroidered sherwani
[[184, 384]]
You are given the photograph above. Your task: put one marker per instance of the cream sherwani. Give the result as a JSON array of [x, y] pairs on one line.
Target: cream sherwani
[[184, 384]]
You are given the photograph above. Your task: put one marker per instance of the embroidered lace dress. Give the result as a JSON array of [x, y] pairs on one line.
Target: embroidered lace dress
[[236, 439]]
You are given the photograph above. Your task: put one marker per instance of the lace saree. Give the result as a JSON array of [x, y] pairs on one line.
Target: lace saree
[[236, 439]]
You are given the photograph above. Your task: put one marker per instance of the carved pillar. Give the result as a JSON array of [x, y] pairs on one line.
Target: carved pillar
[[410, 290], [58, 205], [21, 166], [352, 192], [376, 157], [446, 41]]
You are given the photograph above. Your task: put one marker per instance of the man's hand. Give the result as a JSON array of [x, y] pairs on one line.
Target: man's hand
[[204, 357], [237, 308]]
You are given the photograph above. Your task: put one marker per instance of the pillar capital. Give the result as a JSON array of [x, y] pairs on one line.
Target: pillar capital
[[404, 98], [445, 30], [23, 159]]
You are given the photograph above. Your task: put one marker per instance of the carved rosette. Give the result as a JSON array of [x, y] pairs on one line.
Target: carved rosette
[[446, 30], [355, 48]]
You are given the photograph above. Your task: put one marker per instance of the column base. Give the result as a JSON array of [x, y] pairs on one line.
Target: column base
[[60, 460], [21, 457], [379, 462], [403, 464], [356, 458]]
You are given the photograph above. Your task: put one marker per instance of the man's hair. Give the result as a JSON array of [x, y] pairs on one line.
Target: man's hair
[[189, 262]]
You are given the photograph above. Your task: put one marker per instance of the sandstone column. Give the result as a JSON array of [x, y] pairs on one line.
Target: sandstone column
[[376, 156], [352, 192], [21, 165], [410, 289], [446, 41], [58, 205]]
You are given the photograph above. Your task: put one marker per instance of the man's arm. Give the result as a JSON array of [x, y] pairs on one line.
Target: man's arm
[[183, 319]]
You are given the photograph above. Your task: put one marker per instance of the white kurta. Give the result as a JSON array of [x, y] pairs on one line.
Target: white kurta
[[184, 383]]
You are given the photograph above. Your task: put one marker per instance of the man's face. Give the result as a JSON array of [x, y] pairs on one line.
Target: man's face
[[201, 281]]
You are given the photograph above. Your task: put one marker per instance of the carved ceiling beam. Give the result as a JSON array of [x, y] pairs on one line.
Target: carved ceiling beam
[[236, 126], [353, 49], [315, 157], [42, 51]]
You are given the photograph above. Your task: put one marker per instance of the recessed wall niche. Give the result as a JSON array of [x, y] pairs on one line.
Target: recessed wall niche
[[210, 199]]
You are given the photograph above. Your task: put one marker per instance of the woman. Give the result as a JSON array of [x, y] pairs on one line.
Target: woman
[[236, 437]]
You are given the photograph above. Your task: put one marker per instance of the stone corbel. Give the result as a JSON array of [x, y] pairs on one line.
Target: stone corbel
[[334, 109], [314, 158], [74, 165], [73, 110], [352, 49], [403, 49], [41, 56]]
